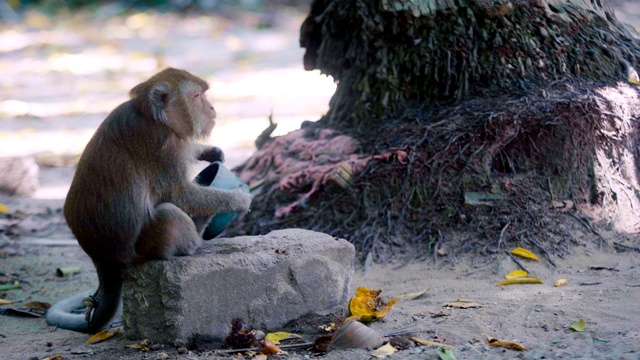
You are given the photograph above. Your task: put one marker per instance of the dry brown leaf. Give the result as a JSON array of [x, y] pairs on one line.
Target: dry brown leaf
[[56, 357], [383, 351], [410, 296], [104, 335], [142, 345], [426, 342], [463, 304], [507, 344], [560, 282], [37, 305], [520, 281], [268, 348], [6, 302]]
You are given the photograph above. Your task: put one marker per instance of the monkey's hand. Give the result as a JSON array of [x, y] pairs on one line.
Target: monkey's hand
[[243, 200], [211, 154]]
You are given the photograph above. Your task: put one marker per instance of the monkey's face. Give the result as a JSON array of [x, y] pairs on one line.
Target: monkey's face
[[207, 114]]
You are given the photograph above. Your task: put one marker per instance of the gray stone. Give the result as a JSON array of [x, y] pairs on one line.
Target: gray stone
[[267, 280], [19, 175]]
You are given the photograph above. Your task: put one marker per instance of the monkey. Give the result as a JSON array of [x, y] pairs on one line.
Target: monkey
[[131, 199]]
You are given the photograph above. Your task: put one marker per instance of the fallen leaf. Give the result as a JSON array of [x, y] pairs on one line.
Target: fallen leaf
[[276, 337], [463, 304], [426, 342], [6, 302], [268, 348], [104, 335], [410, 296], [633, 76], [142, 345], [524, 253], [507, 344], [4, 209], [56, 357], [516, 274], [259, 357], [37, 305], [383, 351], [578, 325], [367, 306], [446, 354], [560, 282], [10, 287], [329, 327], [520, 281]]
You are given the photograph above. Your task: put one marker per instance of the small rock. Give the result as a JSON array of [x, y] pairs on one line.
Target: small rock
[[182, 350], [162, 356]]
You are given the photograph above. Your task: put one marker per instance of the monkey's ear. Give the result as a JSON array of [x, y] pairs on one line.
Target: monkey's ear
[[159, 97]]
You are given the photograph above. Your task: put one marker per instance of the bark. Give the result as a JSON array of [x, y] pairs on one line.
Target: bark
[[390, 54]]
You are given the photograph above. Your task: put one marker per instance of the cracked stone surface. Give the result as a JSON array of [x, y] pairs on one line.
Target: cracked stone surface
[[267, 280]]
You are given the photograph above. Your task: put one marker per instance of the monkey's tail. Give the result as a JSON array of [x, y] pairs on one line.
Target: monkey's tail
[[70, 313]]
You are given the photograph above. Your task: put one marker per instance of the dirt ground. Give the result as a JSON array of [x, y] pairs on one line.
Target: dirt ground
[[603, 284]]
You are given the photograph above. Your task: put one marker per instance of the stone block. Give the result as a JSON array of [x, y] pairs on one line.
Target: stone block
[[267, 280]]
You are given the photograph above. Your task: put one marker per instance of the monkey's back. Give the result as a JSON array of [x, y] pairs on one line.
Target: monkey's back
[[109, 200]]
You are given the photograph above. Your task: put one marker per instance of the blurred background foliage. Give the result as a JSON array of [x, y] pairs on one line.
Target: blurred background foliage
[[10, 10]]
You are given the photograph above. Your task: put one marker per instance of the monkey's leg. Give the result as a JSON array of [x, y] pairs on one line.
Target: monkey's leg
[[170, 232], [201, 223]]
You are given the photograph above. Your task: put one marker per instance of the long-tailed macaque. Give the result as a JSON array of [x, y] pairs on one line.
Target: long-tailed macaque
[[131, 199]]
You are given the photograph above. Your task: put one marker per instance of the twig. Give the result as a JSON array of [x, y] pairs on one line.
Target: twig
[[627, 247], [502, 235], [537, 243], [517, 262], [289, 346]]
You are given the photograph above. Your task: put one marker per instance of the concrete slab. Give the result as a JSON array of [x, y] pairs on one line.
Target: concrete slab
[[267, 280]]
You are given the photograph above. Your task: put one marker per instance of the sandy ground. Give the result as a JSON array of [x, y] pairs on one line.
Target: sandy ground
[[603, 285]]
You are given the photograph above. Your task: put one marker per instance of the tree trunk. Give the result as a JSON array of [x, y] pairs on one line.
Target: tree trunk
[[390, 54], [506, 121]]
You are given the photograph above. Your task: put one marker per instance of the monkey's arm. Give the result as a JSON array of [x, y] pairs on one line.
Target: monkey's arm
[[200, 200], [206, 153]]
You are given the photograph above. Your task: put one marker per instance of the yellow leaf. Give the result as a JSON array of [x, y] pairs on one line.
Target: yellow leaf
[[104, 335], [463, 304], [6, 302], [560, 282], [276, 337], [633, 76], [4, 209], [524, 253], [578, 325], [383, 351], [516, 274], [56, 357], [410, 296], [426, 342], [520, 280], [142, 345], [368, 305], [507, 344]]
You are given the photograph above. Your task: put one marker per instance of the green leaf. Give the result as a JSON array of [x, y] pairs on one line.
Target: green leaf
[[446, 354], [578, 325], [10, 287]]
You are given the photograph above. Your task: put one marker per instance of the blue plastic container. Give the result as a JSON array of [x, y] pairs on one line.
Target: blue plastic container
[[218, 176]]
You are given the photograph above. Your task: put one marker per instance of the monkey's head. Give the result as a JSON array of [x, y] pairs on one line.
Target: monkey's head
[[176, 99]]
